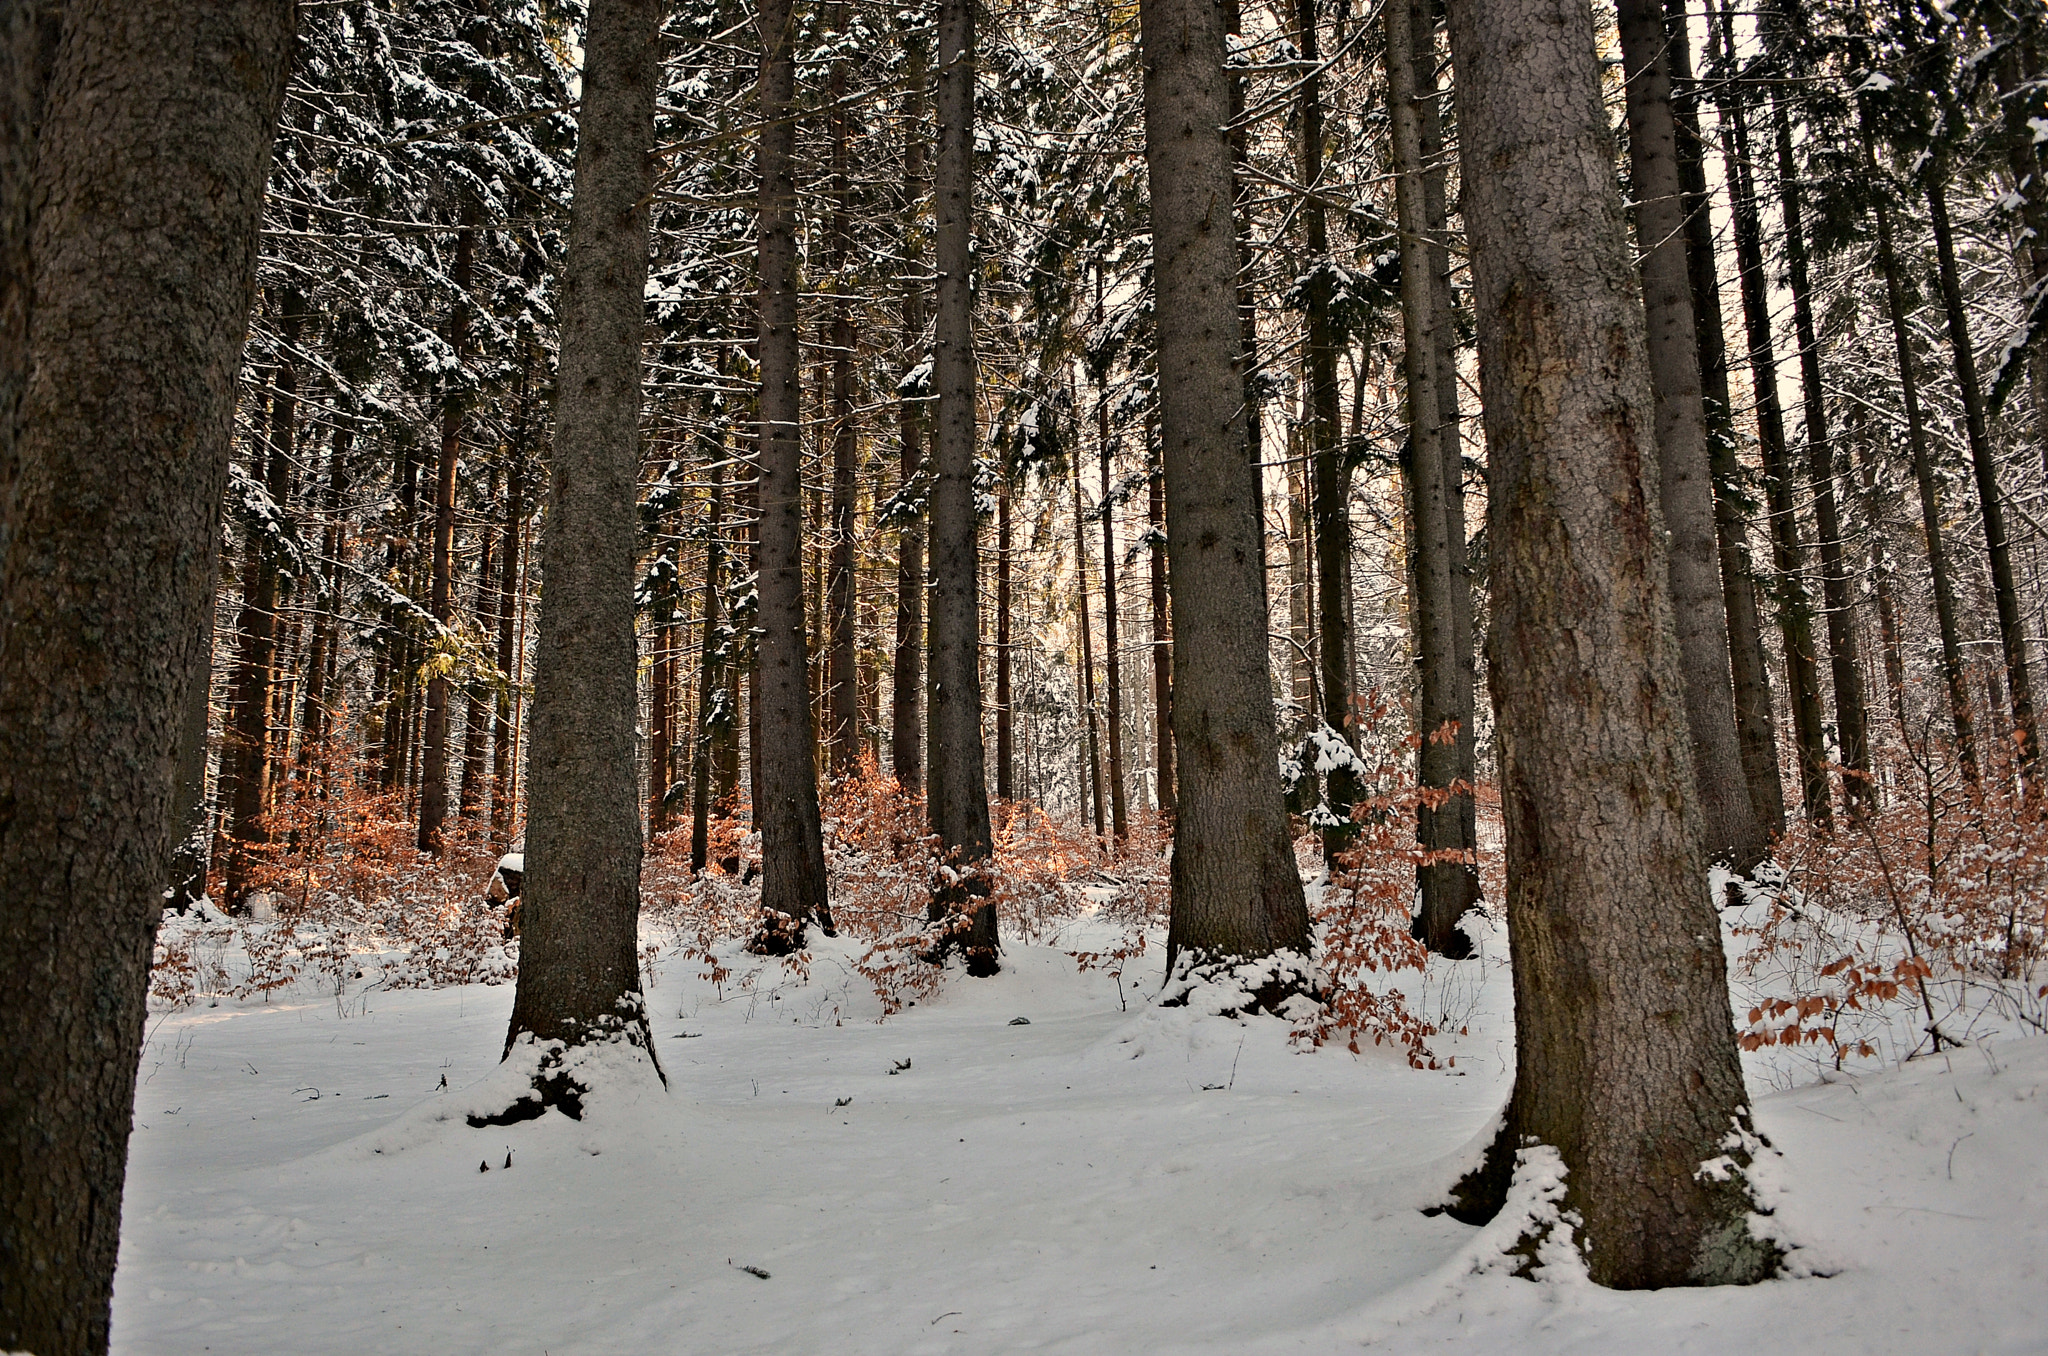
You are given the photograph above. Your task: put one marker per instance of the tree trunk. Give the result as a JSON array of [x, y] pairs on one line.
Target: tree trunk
[[476, 724], [786, 792], [504, 790], [843, 732], [1930, 497], [907, 680], [1331, 500], [1755, 734], [1112, 663], [29, 34], [1091, 714], [149, 175], [1990, 499], [1852, 720], [1162, 646], [1625, 1055], [579, 962], [1685, 484], [326, 637], [957, 794], [1006, 720], [661, 681], [1447, 884], [1788, 553], [441, 603], [715, 713], [1236, 892]]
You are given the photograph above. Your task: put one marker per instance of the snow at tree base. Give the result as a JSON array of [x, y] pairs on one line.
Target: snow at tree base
[[1101, 1178]]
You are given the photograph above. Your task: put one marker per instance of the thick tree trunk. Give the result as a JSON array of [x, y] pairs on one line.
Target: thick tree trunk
[[1990, 499], [1447, 885], [579, 963], [1162, 647], [441, 600], [957, 790], [151, 161], [786, 789], [29, 33], [1625, 1053], [1930, 498], [1685, 484], [907, 679], [1755, 734], [1236, 891]]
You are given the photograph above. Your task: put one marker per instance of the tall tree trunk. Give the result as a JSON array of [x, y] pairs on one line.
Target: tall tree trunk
[[29, 34], [1755, 733], [1162, 643], [957, 791], [504, 791], [786, 791], [151, 159], [1331, 503], [1006, 717], [326, 638], [1447, 885], [1685, 489], [1990, 499], [843, 732], [661, 684], [907, 679], [476, 724], [1930, 496], [1091, 714], [715, 715], [1788, 552], [1626, 1063], [1443, 329], [1112, 663], [1852, 720], [579, 962], [441, 601], [1236, 891]]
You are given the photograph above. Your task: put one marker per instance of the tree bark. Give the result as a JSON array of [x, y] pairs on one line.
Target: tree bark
[[786, 790], [957, 790], [1236, 892], [441, 603], [1990, 499], [1685, 484], [579, 963], [716, 713], [1006, 717], [1112, 662], [147, 190], [1162, 647], [1788, 552], [1625, 1053], [504, 790], [842, 732], [1091, 714], [1755, 734], [907, 680]]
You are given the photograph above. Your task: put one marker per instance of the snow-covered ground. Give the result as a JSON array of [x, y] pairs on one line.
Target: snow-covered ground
[[1101, 1179]]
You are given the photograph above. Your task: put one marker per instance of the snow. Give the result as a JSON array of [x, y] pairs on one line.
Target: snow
[[1112, 1176]]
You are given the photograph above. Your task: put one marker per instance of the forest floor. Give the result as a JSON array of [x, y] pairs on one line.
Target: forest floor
[[1110, 1177]]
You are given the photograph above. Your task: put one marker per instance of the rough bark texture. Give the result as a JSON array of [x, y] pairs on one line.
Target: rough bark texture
[[148, 191], [957, 780], [441, 590], [1236, 892], [1755, 734], [1112, 660], [1990, 499], [579, 970], [1162, 649], [1625, 1052], [842, 720], [786, 786], [1685, 484]]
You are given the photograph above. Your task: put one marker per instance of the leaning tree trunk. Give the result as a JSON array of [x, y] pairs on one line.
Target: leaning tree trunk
[[957, 780], [151, 161], [1625, 1053], [1446, 885], [1685, 487], [786, 788], [1236, 891], [1990, 499], [1755, 734], [579, 962]]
